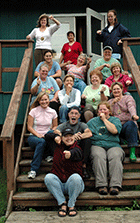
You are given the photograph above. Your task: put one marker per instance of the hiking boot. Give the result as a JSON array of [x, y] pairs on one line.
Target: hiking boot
[[103, 190], [114, 191]]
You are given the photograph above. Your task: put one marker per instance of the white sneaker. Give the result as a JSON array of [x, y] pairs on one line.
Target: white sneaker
[[32, 174], [49, 159]]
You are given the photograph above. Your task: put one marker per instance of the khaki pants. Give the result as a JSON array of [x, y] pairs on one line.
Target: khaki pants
[[110, 160]]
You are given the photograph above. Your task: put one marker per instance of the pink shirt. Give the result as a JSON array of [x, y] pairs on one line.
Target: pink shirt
[[71, 52], [122, 79], [77, 72], [124, 109], [42, 119]]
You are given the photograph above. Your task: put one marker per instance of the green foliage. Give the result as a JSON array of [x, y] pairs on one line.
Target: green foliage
[[3, 194], [32, 210], [2, 219]]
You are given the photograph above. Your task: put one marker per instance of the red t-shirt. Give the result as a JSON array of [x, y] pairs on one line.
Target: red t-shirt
[[71, 52]]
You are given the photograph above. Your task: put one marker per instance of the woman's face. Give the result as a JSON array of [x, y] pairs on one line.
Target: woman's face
[[111, 17], [48, 57], [70, 37], [44, 101], [116, 71], [43, 73], [104, 109], [81, 60], [43, 22], [68, 140], [68, 81], [95, 80], [117, 91]]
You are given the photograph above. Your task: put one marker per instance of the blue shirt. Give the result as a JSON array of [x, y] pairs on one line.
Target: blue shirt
[[52, 71]]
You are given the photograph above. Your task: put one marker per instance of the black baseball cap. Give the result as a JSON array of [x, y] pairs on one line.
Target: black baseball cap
[[67, 131]]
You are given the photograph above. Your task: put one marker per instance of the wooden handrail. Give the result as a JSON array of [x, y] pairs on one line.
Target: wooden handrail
[[129, 62], [12, 113]]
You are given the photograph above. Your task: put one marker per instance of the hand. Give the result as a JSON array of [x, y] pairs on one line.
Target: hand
[[58, 140], [83, 96], [135, 117], [68, 89], [40, 135], [116, 100], [128, 82], [67, 154], [103, 89], [28, 37], [51, 17], [106, 65], [38, 81], [89, 60], [102, 116], [53, 99], [78, 136], [119, 42], [99, 32], [68, 62]]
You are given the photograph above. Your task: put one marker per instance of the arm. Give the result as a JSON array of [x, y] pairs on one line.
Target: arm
[[54, 123], [34, 89], [30, 127], [61, 58], [102, 66], [55, 98], [110, 126], [54, 20], [86, 134], [102, 94], [75, 154], [57, 74]]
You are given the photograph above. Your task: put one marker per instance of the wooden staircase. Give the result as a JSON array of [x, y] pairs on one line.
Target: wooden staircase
[[33, 193]]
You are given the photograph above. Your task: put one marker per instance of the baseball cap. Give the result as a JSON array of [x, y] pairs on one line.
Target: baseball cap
[[67, 131], [108, 48]]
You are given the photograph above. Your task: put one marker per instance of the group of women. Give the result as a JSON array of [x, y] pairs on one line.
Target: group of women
[[108, 117]]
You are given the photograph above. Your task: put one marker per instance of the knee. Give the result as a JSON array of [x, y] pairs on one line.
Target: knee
[[75, 179], [63, 108], [49, 178]]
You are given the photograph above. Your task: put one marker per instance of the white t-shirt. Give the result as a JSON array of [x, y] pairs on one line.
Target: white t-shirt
[[43, 39], [42, 119]]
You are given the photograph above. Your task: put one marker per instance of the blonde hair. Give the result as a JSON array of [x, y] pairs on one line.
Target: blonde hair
[[44, 15], [106, 104], [115, 64], [38, 98]]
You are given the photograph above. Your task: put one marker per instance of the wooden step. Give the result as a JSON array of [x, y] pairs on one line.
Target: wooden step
[[129, 178], [40, 199], [25, 165]]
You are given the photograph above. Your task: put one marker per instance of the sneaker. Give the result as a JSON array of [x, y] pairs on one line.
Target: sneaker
[[31, 174], [49, 159]]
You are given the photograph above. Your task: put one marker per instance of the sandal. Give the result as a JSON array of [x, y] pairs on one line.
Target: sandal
[[62, 210], [71, 210]]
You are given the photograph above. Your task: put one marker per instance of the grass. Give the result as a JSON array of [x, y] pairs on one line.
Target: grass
[[3, 194]]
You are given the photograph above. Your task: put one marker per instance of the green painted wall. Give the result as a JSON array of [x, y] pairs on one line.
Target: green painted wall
[[18, 18]]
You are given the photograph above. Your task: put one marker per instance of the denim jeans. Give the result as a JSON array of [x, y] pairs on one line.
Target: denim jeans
[[63, 113], [73, 187], [79, 84], [39, 144], [130, 133]]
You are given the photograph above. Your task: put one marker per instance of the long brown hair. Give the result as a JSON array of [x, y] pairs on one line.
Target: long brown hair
[[38, 98], [115, 13], [44, 15]]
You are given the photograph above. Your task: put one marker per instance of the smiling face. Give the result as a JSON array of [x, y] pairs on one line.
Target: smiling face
[[44, 101], [116, 71], [74, 115], [117, 91], [104, 109], [68, 81], [70, 37], [107, 54], [95, 80], [80, 60], [43, 22], [68, 139], [48, 57], [43, 73], [111, 18]]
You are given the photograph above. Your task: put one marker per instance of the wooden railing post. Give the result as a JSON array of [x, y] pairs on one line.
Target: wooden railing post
[[125, 65], [0, 67], [30, 71], [10, 165]]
